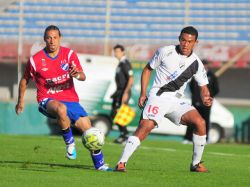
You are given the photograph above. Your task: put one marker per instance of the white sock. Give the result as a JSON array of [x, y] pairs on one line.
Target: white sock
[[131, 145], [198, 148], [72, 145]]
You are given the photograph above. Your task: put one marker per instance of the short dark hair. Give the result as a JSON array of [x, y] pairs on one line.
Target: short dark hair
[[190, 30], [118, 46], [49, 28]]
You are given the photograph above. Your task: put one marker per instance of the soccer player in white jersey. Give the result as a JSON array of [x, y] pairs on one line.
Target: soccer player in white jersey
[[174, 66]]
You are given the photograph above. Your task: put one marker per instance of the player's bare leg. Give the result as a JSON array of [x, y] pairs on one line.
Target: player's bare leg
[[143, 130], [59, 110], [83, 124], [134, 141], [199, 138]]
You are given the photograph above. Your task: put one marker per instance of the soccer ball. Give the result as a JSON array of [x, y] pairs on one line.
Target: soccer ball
[[93, 139]]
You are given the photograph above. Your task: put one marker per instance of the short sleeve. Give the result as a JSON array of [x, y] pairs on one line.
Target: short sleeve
[[156, 59], [75, 61], [29, 71], [201, 75], [127, 68]]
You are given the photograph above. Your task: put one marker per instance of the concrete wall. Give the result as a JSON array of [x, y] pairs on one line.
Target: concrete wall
[[29, 122]]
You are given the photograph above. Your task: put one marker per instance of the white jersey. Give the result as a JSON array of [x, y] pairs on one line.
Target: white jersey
[[173, 71]]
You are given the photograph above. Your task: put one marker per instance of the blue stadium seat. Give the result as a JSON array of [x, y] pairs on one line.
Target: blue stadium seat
[[133, 20]]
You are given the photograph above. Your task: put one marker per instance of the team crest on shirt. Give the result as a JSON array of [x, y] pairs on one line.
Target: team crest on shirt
[[172, 76], [65, 66]]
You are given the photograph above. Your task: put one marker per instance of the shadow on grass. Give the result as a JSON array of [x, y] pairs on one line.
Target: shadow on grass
[[27, 165]]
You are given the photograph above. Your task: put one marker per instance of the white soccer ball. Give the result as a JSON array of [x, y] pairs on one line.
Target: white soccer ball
[[93, 139]]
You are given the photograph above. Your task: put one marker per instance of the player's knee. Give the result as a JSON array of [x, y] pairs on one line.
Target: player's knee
[[147, 125], [61, 110], [201, 126], [83, 124], [144, 129]]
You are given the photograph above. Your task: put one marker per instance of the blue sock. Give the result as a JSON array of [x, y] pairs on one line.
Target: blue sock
[[98, 159], [67, 136]]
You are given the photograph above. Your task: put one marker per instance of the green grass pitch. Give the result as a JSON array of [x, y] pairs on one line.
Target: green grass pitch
[[39, 161]]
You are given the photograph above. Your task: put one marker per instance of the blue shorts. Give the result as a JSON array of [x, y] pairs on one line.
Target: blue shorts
[[74, 110]]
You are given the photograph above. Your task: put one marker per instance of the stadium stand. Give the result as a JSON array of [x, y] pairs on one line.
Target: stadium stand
[[128, 21]]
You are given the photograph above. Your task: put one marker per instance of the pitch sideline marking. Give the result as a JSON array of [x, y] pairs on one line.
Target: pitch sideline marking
[[158, 148], [174, 150], [222, 154]]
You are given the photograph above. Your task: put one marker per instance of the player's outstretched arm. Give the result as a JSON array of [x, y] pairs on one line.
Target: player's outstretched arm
[[125, 96], [205, 96], [21, 91], [145, 77]]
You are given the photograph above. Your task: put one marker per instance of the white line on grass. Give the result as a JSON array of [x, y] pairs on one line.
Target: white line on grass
[[227, 154], [158, 149], [173, 150], [222, 154], [151, 148]]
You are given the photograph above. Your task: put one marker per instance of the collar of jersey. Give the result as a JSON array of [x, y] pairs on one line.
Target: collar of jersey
[[53, 58], [123, 59], [178, 50]]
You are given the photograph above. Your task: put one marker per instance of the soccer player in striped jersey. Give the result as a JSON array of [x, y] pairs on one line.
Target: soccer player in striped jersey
[[174, 66], [53, 70]]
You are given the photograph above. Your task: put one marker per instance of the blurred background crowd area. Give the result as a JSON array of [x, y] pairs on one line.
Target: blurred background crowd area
[[95, 26]]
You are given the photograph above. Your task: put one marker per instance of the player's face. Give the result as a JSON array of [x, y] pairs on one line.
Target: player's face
[[187, 43], [52, 40], [118, 53]]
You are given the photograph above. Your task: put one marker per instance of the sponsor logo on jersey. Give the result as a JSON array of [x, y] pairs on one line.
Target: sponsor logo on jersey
[[58, 80], [58, 88], [169, 53], [181, 64]]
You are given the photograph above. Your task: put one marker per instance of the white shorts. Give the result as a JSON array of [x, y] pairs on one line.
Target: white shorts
[[171, 107]]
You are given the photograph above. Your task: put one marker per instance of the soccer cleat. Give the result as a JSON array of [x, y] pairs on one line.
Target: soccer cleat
[[105, 168], [198, 168], [121, 167], [71, 152], [121, 139]]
